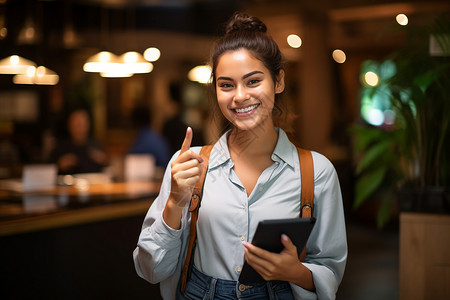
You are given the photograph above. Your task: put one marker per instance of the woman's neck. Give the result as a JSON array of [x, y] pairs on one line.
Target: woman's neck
[[260, 141]]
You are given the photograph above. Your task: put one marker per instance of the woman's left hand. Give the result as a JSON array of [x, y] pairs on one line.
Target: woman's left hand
[[283, 266]]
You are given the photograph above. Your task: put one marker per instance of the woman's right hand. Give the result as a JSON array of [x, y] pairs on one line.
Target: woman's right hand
[[186, 171]]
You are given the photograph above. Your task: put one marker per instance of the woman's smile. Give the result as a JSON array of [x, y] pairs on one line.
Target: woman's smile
[[245, 111]]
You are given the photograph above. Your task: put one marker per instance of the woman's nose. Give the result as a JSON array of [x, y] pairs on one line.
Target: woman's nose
[[241, 93]]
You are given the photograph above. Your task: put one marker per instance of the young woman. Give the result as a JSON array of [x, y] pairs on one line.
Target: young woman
[[253, 174]]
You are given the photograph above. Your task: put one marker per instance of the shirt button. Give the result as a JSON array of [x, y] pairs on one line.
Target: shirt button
[[238, 269], [261, 189], [274, 156], [242, 238]]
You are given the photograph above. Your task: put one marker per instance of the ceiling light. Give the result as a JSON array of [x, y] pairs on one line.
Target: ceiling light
[[152, 54], [294, 41], [339, 56], [135, 63], [27, 35], [40, 75], [201, 74], [119, 71], [103, 61], [402, 19], [15, 64]]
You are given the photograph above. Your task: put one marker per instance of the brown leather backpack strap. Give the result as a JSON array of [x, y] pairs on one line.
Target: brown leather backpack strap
[[194, 205], [307, 191]]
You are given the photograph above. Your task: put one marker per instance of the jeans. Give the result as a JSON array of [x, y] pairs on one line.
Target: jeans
[[201, 286]]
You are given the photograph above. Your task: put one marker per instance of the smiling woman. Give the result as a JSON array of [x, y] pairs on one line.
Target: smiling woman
[[252, 174]]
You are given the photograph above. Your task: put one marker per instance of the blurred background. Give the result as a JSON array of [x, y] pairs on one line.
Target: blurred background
[[58, 92]]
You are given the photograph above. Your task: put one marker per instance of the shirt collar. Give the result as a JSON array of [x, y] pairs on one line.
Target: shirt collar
[[284, 150], [220, 153]]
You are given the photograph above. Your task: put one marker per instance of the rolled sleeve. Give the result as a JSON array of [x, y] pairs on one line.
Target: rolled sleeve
[[326, 250]]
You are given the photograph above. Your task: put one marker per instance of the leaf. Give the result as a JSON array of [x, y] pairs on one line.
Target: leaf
[[424, 80], [375, 154], [365, 136], [368, 184], [384, 212]]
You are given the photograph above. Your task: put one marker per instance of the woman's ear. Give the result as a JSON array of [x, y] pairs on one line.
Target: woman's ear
[[279, 85]]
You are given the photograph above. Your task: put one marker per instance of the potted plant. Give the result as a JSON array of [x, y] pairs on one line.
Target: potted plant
[[407, 157]]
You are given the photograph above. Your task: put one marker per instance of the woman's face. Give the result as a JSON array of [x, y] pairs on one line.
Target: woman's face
[[245, 90]]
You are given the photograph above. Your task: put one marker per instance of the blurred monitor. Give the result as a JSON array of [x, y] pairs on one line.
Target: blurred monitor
[[39, 176], [139, 167]]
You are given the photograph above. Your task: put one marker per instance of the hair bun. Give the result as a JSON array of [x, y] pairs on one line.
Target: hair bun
[[241, 21]]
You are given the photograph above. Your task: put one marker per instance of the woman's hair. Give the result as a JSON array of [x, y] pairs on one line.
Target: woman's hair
[[247, 32]]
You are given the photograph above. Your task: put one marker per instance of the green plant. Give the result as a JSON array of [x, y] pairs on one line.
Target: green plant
[[413, 149]]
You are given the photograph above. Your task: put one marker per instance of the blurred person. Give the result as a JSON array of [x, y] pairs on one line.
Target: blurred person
[[147, 140], [174, 128], [79, 152]]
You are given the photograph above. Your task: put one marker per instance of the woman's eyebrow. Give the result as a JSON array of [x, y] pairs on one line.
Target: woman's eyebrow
[[224, 78], [252, 73], [243, 77]]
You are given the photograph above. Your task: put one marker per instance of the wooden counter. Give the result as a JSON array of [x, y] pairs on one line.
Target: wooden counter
[[60, 206], [70, 243]]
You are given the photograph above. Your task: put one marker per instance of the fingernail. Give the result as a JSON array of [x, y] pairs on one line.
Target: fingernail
[[284, 237]]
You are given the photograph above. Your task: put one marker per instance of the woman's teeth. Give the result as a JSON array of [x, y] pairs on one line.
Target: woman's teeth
[[246, 109]]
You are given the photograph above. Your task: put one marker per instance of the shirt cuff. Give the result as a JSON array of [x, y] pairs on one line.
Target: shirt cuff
[[164, 234], [324, 281]]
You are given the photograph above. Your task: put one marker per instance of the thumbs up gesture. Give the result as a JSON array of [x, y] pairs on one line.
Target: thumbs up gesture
[[186, 171]]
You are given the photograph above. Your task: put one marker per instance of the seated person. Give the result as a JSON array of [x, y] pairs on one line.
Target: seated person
[[79, 152], [147, 140]]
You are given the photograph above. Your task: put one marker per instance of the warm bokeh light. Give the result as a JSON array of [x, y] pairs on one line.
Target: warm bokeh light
[[135, 63], [294, 41], [103, 61], [370, 78], [118, 72], [402, 19], [339, 56], [40, 75], [152, 54], [3, 33], [201, 74], [15, 64]]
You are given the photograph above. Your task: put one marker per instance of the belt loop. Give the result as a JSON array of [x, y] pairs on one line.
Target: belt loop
[[270, 291], [211, 289]]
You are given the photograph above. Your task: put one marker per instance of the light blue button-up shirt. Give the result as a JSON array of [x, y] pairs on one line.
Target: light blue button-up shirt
[[228, 216]]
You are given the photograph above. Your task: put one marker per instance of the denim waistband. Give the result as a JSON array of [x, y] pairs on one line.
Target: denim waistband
[[231, 287]]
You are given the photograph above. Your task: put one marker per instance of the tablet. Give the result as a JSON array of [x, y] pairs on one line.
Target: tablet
[[268, 236]]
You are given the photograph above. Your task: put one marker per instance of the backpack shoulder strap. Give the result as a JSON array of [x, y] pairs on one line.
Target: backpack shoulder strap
[[307, 187], [194, 205], [307, 180]]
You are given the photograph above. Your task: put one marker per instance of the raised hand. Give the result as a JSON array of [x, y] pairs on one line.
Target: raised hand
[[186, 171]]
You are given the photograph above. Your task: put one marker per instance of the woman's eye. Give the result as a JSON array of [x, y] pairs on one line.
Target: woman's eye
[[225, 85], [253, 81]]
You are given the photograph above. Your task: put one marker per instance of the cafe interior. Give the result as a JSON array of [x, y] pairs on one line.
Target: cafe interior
[[125, 65]]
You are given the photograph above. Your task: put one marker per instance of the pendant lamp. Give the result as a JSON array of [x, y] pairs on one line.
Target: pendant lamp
[[103, 61], [15, 64], [40, 75], [135, 63]]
